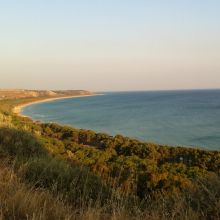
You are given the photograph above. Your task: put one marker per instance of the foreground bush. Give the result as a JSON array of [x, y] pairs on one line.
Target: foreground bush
[[77, 184], [18, 143]]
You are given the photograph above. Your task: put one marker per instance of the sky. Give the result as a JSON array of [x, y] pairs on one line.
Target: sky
[[110, 45]]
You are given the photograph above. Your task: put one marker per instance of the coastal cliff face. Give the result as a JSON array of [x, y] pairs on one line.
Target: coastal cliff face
[[23, 93]]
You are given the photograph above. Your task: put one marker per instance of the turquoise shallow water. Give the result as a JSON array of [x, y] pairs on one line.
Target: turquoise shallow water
[[186, 118]]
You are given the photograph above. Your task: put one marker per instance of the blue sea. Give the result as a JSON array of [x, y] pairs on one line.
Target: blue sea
[[179, 118]]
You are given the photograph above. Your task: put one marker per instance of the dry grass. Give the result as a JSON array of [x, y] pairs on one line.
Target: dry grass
[[19, 201]]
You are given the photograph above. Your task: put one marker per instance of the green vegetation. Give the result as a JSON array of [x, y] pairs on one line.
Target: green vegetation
[[50, 171]]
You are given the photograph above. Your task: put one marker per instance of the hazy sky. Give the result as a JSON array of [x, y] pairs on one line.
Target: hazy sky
[[110, 44]]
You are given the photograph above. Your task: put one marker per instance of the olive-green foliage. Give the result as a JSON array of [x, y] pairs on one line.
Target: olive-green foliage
[[36, 166], [76, 183], [131, 165], [18, 143]]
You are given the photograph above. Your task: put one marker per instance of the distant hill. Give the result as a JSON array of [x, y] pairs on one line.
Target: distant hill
[[23, 93]]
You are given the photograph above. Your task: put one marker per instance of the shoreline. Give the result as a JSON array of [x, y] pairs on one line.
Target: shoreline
[[18, 108]]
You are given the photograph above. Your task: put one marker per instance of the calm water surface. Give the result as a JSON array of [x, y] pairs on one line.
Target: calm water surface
[[187, 118]]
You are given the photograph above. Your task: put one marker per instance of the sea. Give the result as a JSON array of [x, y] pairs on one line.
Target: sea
[[177, 118]]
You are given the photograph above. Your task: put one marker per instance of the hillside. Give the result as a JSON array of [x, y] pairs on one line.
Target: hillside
[[22, 93], [79, 174]]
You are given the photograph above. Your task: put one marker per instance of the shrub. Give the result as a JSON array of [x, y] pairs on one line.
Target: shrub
[[76, 183], [16, 143]]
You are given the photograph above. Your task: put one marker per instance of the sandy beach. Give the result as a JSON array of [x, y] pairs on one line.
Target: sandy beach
[[18, 109]]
